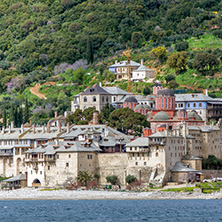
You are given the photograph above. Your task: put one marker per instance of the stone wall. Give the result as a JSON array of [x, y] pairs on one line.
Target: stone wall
[[112, 164], [210, 174]]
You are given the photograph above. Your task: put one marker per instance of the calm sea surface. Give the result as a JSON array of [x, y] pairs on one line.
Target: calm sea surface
[[111, 210]]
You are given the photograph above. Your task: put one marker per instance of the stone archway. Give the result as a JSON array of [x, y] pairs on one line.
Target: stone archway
[[36, 183]]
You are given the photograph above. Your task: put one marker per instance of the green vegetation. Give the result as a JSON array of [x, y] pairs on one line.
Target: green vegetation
[[112, 179], [212, 162], [183, 189], [130, 179], [71, 42]]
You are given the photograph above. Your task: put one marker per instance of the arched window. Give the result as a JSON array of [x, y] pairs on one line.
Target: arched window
[[159, 102], [200, 104], [94, 99], [166, 103], [102, 98], [85, 99], [162, 103], [194, 104], [107, 99]]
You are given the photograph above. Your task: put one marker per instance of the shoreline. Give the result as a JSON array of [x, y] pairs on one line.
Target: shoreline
[[37, 194]]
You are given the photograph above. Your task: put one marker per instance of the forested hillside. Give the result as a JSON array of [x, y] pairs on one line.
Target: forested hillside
[[40, 39]]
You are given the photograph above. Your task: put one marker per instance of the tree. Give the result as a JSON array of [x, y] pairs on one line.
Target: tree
[[126, 119], [205, 61], [106, 111], [84, 177], [146, 91], [178, 61], [168, 78], [112, 179], [181, 46], [136, 38], [89, 51], [130, 179], [26, 112], [173, 84], [4, 117], [11, 114], [160, 53]]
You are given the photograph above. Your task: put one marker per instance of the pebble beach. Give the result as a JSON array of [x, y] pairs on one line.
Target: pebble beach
[[38, 194]]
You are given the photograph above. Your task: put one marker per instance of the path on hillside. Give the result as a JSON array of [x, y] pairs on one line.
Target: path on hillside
[[35, 90]]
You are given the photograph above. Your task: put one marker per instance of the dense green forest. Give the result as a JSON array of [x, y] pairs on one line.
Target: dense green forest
[[48, 40]]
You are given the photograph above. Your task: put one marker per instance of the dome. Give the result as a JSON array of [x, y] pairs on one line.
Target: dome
[[165, 92], [139, 107], [161, 116], [131, 100], [194, 115], [157, 84]]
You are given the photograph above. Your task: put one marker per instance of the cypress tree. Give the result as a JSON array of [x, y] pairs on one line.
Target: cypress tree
[[20, 116], [11, 114], [89, 52], [16, 117], [4, 117], [26, 112]]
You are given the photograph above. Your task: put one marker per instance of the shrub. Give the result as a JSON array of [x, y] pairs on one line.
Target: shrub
[[181, 46], [130, 179], [112, 179]]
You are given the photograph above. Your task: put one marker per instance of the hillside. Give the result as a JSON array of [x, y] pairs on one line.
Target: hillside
[[47, 40]]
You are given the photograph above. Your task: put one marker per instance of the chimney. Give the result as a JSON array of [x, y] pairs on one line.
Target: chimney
[[33, 128], [43, 129], [116, 62], [22, 128], [60, 128], [48, 127], [100, 84], [141, 62], [9, 129], [206, 92], [68, 127], [12, 124], [56, 114], [95, 118], [3, 130]]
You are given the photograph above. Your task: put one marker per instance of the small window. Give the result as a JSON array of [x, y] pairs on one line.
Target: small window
[[103, 98], [144, 163], [136, 163], [107, 99], [67, 164], [48, 167], [130, 148], [94, 99], [200, 104], [85, 99], [194, 104], [188, 104], [156, 154], [40, 172], [57, 156], [69, 156]]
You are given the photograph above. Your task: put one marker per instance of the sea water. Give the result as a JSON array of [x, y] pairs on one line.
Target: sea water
[[111, 210]]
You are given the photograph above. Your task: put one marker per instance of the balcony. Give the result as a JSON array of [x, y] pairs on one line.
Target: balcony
[[50, 159], [6, 154]]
